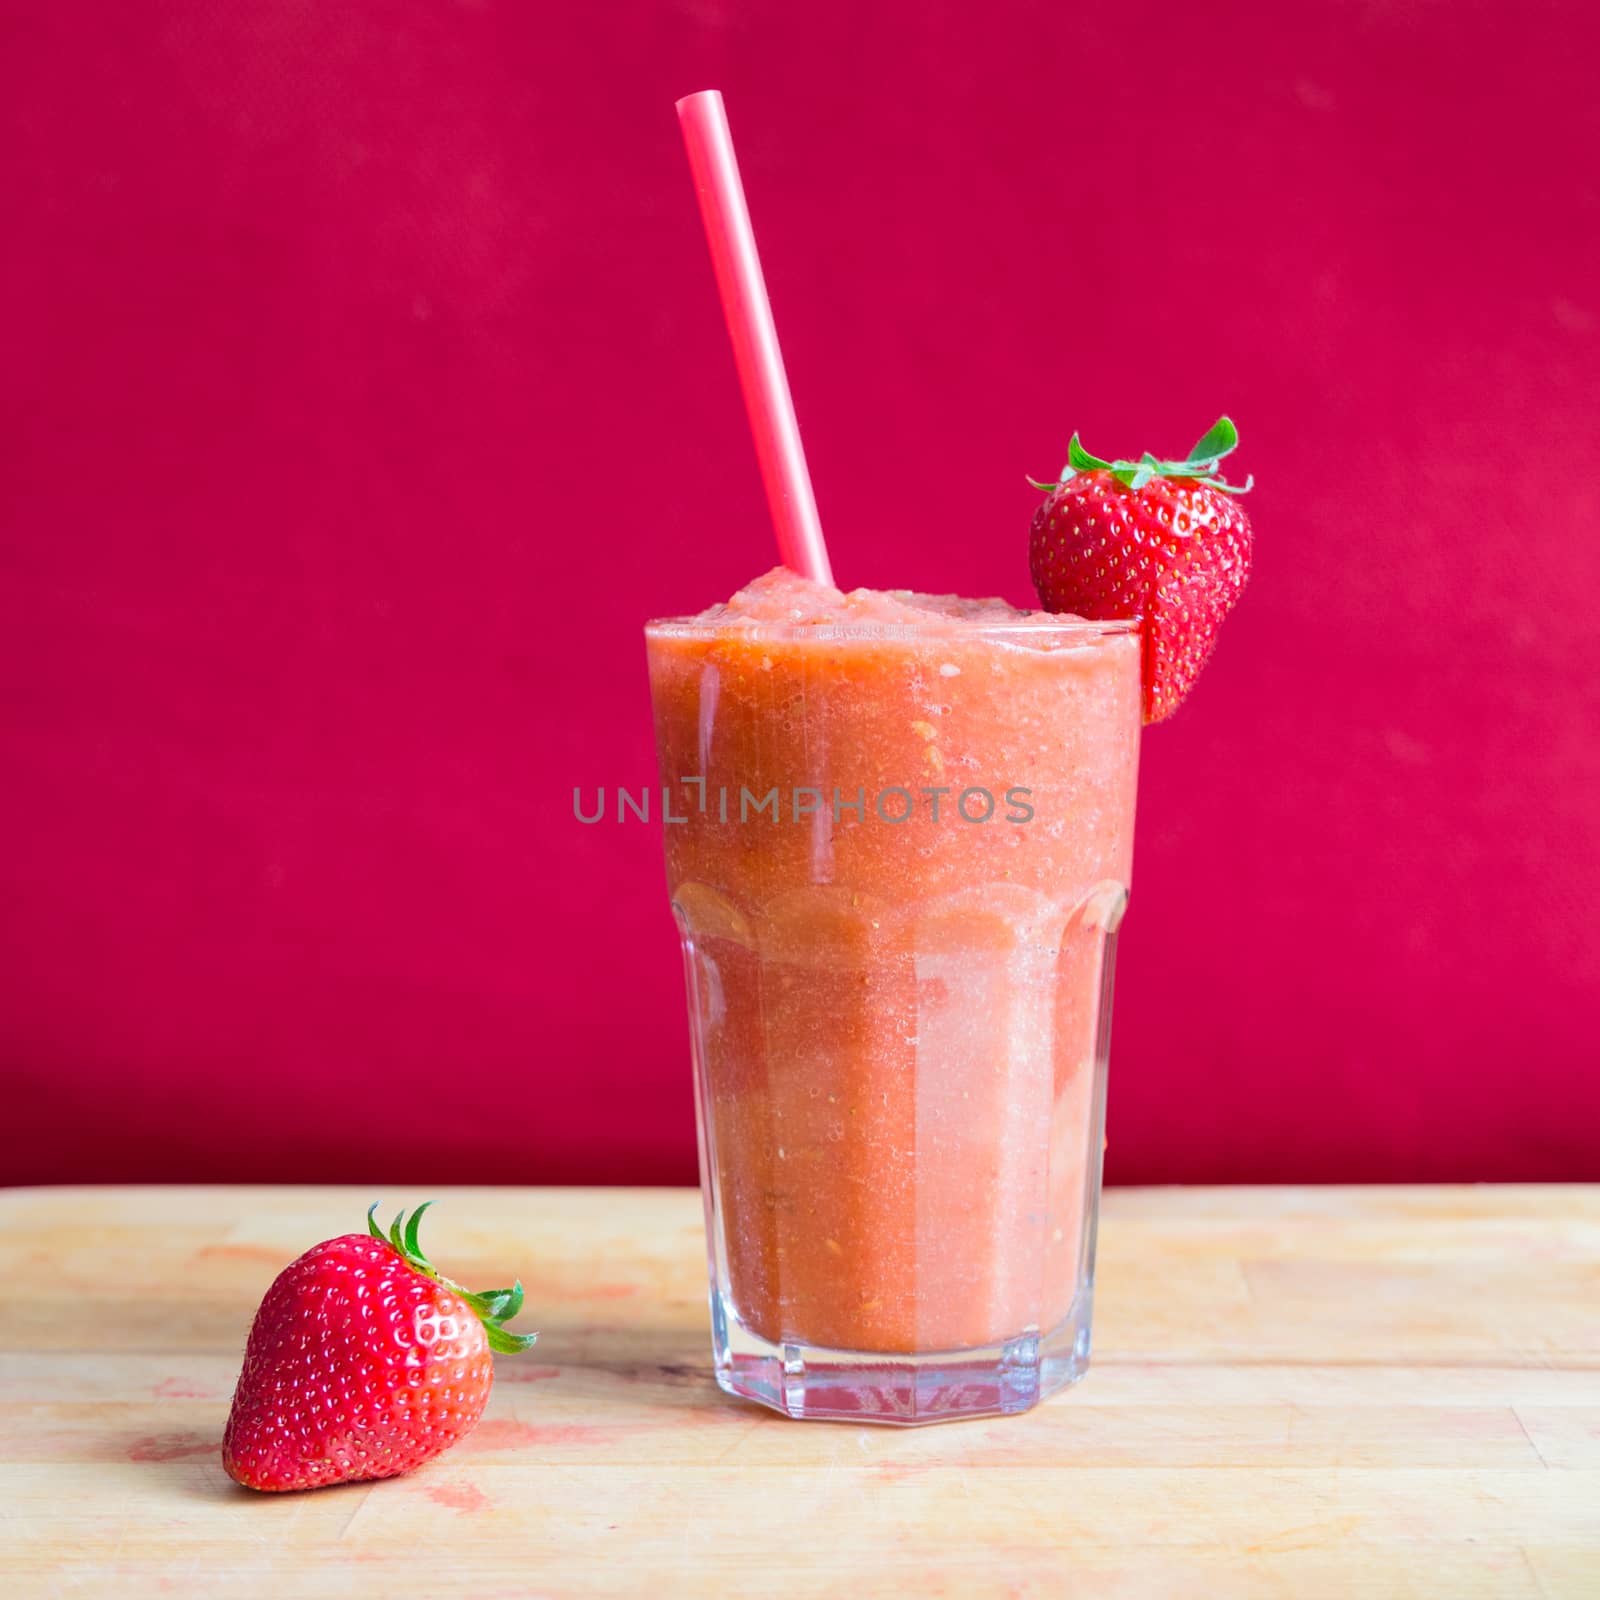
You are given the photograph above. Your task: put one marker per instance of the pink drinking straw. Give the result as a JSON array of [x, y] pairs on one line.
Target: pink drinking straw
[[755, 338]]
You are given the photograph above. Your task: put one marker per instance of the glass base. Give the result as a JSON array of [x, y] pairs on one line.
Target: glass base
[[812, 1384]]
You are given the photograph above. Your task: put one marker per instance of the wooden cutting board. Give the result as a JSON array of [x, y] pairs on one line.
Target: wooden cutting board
[[1296, 1392]]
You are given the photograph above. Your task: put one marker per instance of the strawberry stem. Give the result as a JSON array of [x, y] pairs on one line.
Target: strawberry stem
[[492, 1307], [1220, 439]]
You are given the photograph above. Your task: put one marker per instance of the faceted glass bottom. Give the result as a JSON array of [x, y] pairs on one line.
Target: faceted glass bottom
[[805, 1382]]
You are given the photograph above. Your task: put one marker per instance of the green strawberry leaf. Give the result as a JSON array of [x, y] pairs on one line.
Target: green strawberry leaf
[[495, 1305], [414, 1249], [1222, 439], [507, 1344], [490, 1306], [1231, 488], [504, 1303], [1201, 464], [1081, 461]]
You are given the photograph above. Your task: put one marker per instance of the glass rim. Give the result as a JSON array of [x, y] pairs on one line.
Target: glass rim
[[950, 628]]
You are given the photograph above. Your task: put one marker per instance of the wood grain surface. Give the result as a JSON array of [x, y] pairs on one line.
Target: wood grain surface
[[1296, 1392]]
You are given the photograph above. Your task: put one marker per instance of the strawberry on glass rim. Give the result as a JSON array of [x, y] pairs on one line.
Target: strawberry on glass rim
[[1163, 542]]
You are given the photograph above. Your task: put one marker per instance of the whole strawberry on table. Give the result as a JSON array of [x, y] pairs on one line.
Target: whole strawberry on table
[[1164, 541], [363, 1362]]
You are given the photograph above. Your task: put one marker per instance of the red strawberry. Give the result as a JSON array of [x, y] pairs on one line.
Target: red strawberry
[[1164, 541], [363, 1363]]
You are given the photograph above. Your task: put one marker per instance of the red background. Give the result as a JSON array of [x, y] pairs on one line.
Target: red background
[[365, 389]]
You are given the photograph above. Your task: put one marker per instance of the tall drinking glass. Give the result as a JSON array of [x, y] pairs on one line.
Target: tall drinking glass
[[898, 855]]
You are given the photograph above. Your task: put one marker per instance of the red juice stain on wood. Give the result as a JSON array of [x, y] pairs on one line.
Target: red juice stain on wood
[[181, 1389], [463, 1497], [517, 1372], [580, 1433], [500, 1433], [242, 1252], [505, 1433], [171, 1447]]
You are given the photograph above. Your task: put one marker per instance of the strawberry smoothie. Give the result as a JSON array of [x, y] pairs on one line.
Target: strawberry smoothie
[[899, 835]]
